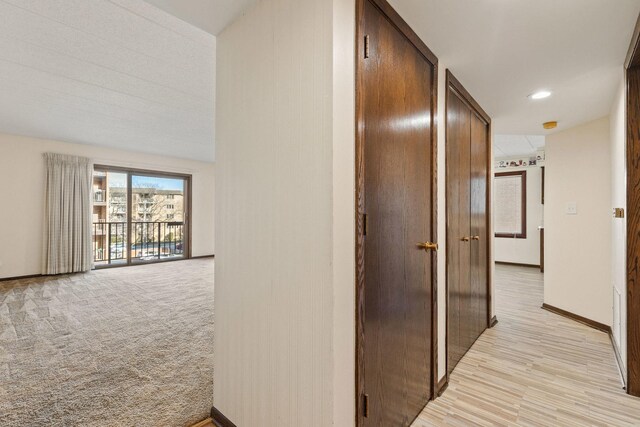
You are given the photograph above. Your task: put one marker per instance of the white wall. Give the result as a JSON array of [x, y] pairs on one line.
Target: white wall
[[578, 247], [344, 18], [619, 225], [284, 342], [22, 195], [525, 251], [442, 222]]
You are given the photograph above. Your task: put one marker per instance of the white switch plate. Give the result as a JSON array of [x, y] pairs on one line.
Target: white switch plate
[[572, 208]]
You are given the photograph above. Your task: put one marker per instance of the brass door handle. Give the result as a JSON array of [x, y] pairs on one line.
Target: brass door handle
[[476, 237], [465, 239], [428, 246]]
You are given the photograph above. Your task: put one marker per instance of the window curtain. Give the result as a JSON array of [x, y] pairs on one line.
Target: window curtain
[[67, 215]]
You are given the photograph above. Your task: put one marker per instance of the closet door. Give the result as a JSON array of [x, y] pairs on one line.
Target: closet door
[[458, 228], [467, 150], [479, 234], [396, 94]]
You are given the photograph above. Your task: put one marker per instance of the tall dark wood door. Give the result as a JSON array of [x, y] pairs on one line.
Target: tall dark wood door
[[479, 233], [397, 102], [458, 227], [467, 151]]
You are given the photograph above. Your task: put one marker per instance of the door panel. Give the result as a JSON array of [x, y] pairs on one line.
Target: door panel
[[458, 198], [397, 114], [479, 252], [467, 250]]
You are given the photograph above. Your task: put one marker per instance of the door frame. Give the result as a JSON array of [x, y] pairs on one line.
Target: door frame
[[454, 84], [422, 48], [632, 167]]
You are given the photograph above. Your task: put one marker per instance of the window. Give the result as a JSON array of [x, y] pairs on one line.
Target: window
[[139, 216], [510, 204]]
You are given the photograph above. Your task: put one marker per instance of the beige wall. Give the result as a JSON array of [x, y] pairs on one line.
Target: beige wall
[[619, 225], [284, 188], [525, 251], [22, 183], [578, 247]]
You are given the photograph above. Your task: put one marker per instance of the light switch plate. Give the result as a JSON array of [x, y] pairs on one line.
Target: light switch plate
[[572, 208]]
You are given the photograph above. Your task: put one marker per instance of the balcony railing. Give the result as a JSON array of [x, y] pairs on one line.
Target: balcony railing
[[150, 241]]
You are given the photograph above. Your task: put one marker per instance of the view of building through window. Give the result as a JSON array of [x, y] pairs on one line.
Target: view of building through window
[[154, 223]]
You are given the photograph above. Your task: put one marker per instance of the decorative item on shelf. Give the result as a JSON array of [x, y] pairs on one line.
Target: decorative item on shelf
[[540, 157], [516, 163]]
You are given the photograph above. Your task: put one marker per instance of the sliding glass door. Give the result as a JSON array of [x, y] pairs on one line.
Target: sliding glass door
[[139, 216], [157, 218]]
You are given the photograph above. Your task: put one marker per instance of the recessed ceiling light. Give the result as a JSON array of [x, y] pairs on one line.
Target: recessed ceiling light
[[541, 94]]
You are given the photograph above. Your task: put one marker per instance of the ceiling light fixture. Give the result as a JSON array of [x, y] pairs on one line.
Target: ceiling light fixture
[[550, 125], [541, 94]]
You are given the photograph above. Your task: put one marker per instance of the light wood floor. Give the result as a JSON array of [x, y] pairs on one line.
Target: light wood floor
[[534, 368], [206, 423]]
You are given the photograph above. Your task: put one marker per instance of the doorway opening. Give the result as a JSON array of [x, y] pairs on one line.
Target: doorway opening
[[518, 200]]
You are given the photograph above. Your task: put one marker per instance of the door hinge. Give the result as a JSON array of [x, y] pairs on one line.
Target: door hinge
[[364, 224], [366, 47], [365, 405]]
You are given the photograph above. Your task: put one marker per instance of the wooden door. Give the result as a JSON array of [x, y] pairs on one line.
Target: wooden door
[[397, 106], [459, 316], [467, 152], [479, 232]]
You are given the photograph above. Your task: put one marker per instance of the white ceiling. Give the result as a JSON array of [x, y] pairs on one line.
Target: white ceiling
[[126, 74], [516, 145], [210, 15], [118, 73], [503, 50]]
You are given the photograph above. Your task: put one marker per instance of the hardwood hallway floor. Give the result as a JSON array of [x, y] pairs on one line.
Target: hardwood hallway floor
[[535, 368]]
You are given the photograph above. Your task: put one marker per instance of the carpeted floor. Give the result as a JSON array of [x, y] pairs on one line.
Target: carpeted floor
[[120, 347]]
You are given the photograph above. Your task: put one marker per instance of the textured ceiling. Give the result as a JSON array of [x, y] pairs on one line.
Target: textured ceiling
[[117, 73], [503, 50], [516, 145]]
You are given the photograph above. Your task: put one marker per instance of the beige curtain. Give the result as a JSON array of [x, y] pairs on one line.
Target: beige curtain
[[67, 215]]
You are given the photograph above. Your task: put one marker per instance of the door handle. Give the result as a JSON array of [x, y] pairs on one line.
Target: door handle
[[428, 246], [465, 239], [476, 238]]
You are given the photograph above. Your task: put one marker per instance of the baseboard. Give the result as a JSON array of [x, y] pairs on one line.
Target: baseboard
[[517, 264], [591, 323], [33, 276], [219, 419], [596, 325], [616, 351], [29, 276], [442, 385], [493, 322]]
